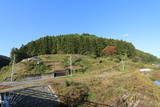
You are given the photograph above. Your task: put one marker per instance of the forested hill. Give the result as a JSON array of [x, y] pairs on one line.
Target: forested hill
[[84, 44], [146, 57], [4, 61]]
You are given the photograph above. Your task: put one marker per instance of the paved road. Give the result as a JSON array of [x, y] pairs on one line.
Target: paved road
[[23, 84]]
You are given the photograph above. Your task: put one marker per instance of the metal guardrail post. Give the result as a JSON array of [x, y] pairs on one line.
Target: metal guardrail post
[[1, 101]]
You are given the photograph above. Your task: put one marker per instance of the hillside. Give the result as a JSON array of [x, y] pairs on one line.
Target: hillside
[[81, 63], [84, 44], [99, 80], [146, 57], [122, 89], [4, 61], [105, 71]]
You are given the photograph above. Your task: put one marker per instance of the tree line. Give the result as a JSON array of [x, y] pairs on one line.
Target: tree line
[[85, 44], [146, 57]]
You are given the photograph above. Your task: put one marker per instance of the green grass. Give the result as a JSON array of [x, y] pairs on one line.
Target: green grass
[[4, 73]]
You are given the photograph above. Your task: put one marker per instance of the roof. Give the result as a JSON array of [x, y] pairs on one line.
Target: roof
[[31, 59], [61, 71], [34, 58]]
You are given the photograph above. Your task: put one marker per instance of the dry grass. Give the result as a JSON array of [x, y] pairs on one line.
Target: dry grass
[[119, 89]]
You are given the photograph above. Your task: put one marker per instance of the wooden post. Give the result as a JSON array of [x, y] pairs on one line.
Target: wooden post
[[71, 65], [123, 58]]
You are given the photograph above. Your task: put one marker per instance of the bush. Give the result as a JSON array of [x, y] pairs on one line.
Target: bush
[[75, 96], [70, 83], [33, 66], [30, 66], [42, 68], [3, 69]]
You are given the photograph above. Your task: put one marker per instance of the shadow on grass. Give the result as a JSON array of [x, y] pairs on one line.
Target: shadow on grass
[[34, 98]]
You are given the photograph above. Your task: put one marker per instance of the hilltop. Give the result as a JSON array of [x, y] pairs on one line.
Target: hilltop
[[84, 44]]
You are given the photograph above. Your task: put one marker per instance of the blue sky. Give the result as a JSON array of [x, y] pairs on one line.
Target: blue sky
[[136, 21]]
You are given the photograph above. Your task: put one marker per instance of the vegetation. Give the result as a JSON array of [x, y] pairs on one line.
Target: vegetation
[[84, 44], [97, 81], [104, 70], [110, 50], [34, 67], [4, 61], [75, 94], [119, 89], [145, 57], [82, 65], [4, 73]]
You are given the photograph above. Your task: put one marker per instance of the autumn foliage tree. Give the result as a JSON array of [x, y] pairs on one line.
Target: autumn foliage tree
[[109, 50]]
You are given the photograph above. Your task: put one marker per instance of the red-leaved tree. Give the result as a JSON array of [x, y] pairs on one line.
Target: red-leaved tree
[[109, 50]]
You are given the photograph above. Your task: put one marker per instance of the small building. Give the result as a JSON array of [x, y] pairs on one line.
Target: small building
[[58, 73], [31, 59]]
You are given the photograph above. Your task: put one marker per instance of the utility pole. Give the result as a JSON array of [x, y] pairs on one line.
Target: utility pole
[[71, 68], [122, 64], [123, 58], [13, 63]]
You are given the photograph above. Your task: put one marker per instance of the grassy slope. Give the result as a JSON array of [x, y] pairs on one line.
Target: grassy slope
[[104, 77], [118, 88]]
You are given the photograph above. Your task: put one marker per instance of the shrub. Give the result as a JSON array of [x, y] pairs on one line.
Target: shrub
[[33, 66], [30, 66], [75, 96], [70, 83], [42, 68]]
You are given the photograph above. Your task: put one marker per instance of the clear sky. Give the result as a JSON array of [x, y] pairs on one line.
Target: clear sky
[[136, 21]]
